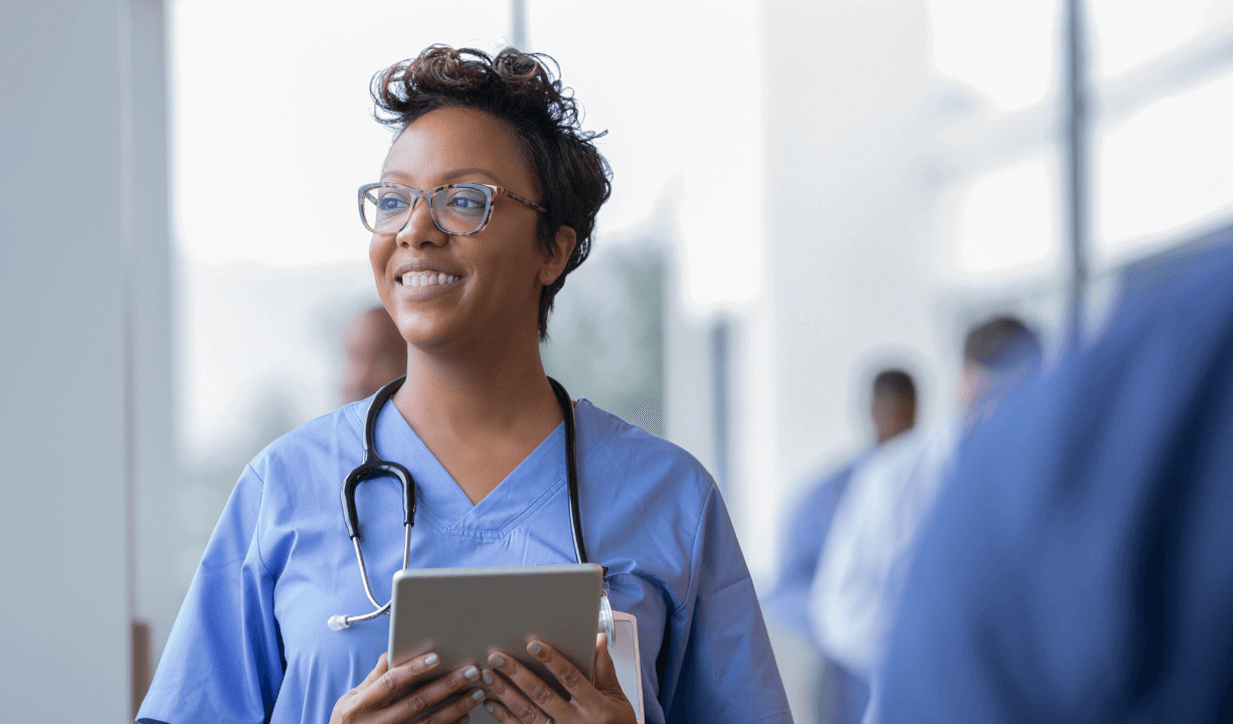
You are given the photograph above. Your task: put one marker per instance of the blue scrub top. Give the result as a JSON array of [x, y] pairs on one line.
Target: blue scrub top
[[251, 643], [1080, 565]]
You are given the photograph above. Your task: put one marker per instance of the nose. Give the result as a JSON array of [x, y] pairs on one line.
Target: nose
[[420, 229]]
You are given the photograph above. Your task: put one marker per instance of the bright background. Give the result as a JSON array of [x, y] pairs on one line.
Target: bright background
[[804, 191]]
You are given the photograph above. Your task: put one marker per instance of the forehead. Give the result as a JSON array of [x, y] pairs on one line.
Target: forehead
[[441, 143]]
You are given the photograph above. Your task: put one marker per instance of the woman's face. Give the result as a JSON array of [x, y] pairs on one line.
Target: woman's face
[[499, 270]]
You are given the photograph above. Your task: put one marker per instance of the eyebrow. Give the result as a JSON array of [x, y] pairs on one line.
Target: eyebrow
[[448, 175]]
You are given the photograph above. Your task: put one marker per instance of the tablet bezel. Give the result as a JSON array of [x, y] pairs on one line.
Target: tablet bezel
[[485, 609]]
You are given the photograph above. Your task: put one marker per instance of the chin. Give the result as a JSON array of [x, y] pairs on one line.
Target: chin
[[424, 332]]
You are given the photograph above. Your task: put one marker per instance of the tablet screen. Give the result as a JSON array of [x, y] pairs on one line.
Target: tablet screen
[[464, 613]]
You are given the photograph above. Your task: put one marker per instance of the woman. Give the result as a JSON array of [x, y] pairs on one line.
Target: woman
[[469, 276]]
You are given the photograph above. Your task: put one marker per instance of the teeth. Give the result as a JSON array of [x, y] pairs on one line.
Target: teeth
[[412, 279]]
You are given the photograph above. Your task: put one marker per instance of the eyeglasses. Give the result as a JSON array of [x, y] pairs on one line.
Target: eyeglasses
[[458, 209]]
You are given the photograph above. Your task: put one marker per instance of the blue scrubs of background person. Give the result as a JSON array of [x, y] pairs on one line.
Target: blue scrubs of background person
[[1080, 565], [487, 200], [841, 697]]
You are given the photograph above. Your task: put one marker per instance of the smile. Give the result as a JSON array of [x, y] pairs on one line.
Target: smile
[[427, 279]]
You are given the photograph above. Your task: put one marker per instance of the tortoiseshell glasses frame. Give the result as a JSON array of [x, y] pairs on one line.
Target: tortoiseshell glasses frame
[[385, 208]]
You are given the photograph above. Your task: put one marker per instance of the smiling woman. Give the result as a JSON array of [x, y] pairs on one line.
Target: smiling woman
[[486, 202]]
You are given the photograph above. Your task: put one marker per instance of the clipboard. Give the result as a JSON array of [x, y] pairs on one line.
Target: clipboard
[[627, 660]]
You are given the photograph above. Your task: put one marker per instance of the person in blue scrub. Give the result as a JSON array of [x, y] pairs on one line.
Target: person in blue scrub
[[479, 428], [1080, 566], [841, 695], [877, 526]]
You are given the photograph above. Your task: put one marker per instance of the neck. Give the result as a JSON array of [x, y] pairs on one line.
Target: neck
[[498, 386]]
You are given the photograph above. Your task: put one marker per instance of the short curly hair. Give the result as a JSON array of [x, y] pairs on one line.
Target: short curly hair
[[519, 89]]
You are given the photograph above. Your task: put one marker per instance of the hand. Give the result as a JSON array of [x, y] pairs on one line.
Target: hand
[[517, 696], [379, 699]]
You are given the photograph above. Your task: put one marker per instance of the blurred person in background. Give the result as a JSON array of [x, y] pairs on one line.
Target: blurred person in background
[[1080, 565], [842, 696], [374, 353], [890, 497], [487, 201]]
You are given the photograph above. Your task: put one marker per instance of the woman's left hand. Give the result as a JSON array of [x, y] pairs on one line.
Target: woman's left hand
[[518, 696]]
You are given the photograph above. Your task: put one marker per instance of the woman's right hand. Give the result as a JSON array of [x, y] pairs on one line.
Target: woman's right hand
[[377, 699]]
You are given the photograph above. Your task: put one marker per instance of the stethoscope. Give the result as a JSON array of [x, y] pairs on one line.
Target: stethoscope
[[374, 465]]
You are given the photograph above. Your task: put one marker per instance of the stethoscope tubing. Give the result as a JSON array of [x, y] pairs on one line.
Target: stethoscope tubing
[[373, 464]]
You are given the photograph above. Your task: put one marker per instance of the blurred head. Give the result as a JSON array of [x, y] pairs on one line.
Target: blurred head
[[373, 353], [894, 404], [465, 117], [998, 355]]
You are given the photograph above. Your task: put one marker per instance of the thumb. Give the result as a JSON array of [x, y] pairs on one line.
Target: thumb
[[605, 671], [383, 665]]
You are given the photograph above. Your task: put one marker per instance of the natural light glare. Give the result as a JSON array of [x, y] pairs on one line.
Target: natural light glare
[[1130, 33], [273, 118], [1167, 167], [1005, 222], [681, 99], [1005, 51], [285, 114]]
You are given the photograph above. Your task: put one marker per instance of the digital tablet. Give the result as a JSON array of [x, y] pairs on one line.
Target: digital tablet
[[465, 613]]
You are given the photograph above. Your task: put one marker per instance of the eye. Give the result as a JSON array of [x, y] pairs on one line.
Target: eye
[[390, 202], [466, 201]]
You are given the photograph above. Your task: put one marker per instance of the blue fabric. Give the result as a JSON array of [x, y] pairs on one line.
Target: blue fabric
[[251, 642], [1080, 566], [842, 696], [801, 547]]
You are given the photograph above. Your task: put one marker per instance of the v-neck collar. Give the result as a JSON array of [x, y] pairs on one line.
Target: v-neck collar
[[443, 502]]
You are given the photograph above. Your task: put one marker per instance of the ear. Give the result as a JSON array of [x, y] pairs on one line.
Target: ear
[[562, 247]]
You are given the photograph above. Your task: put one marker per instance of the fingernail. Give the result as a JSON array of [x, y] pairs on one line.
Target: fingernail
[[487, 677], [471, 672], [488, 707], [431, 660], [534, 647], [477, 694], [497, 660]]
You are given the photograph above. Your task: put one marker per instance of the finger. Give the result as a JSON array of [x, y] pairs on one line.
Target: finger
[[575, 682], [508, 698], [378, 670], [393, 682], [456, 710], [428, 696], [383, 665], [606, 679], [501, 713], [501, 687]]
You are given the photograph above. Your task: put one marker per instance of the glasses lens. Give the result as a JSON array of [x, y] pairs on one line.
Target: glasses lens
[[461, 209], [385, 209]]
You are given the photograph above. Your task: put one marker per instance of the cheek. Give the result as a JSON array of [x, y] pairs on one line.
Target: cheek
[[507, 264], [379, 251]]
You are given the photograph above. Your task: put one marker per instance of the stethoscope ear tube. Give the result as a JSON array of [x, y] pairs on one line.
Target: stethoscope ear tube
[[571, 468], [606, 620], [372, 464]]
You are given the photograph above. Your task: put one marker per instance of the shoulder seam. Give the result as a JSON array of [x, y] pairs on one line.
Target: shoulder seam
[[712, 490], [257, 523]]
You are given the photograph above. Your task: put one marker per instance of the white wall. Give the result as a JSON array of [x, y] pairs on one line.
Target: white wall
[[849, 232], [75, 130]]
